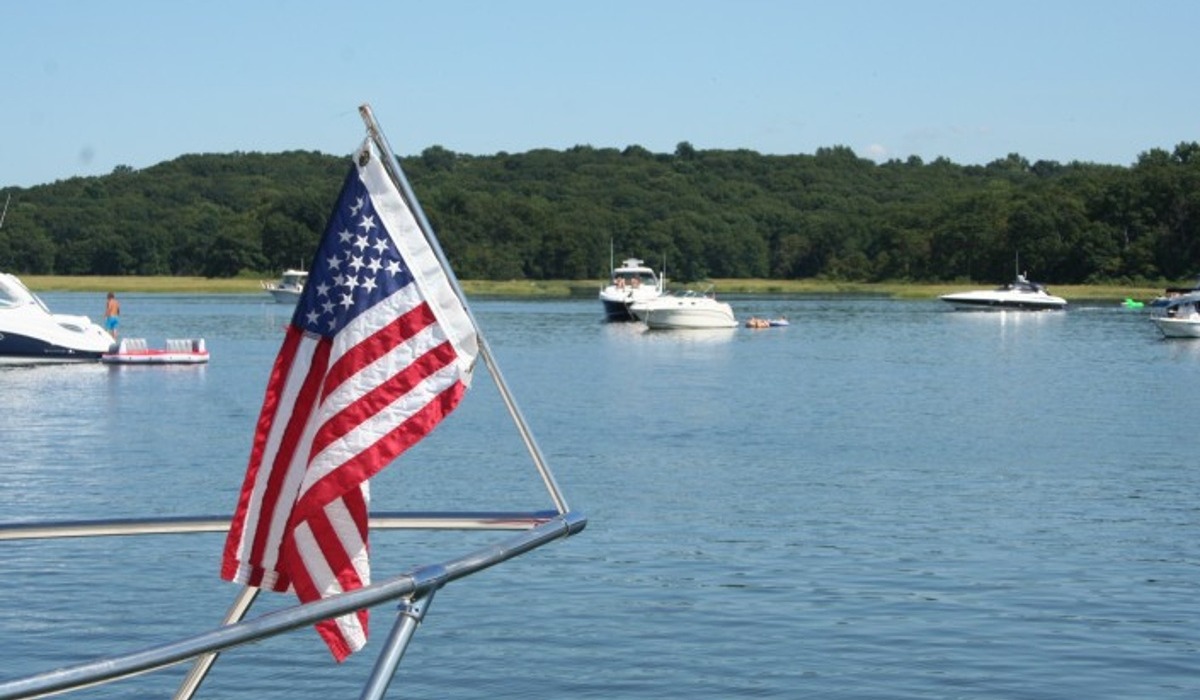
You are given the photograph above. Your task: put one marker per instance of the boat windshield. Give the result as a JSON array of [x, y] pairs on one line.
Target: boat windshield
[[294, 279], [1021, 284], [635, 278], [647, 277], [14, 293]]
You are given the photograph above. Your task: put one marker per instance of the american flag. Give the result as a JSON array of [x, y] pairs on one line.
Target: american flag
[[377, 353]]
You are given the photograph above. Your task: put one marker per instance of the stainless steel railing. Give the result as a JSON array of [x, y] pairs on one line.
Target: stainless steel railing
[[415, 587]]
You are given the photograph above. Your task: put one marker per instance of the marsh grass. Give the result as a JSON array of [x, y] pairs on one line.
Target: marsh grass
[[588, 288]]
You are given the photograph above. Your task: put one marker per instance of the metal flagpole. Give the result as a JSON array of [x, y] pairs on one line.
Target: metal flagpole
[[392, 165], [412, 612], [203, 664]]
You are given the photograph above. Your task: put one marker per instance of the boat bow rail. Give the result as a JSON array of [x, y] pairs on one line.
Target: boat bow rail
[[414, 588]]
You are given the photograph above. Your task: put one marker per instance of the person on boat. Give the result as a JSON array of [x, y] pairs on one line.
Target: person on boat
[[112, 314]]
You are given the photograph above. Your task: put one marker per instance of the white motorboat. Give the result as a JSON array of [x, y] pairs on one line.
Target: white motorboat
[[688, 310], [1018, 294], [632, 282], [287, 289], [31, 334], [1179, 317]]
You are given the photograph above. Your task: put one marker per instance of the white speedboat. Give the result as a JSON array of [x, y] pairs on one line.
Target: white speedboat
[[1018, 294], [688, 310], [287, 289], [31, 334], [1179, 317], [632, 282]]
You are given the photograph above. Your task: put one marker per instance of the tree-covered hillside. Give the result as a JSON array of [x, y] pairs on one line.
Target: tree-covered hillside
[[550, 214]]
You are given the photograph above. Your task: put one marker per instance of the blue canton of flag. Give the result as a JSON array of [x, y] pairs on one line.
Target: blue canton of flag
[[355, 267]]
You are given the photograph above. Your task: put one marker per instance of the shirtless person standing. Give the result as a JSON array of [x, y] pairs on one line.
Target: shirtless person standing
[[112, 315]]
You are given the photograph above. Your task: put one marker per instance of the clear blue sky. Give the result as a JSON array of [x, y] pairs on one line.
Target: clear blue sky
[[90, 85]]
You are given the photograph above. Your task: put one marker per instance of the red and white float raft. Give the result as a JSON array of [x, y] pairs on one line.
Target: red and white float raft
[[179, 351]]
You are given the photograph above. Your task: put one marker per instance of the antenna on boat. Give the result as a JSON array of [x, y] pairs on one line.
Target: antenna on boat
[[5, 212]]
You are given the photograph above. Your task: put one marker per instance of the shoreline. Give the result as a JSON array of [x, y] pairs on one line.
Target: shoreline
[[562, 289]]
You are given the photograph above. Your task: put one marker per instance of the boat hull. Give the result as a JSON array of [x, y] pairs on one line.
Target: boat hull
[[18, 349], [285, 296], [669, 320], [617, 310], [685, 312], [1178, 327], [1018, 295], [972, 301]]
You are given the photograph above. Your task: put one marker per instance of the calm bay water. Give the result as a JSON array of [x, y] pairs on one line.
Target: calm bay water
[[886, 499]]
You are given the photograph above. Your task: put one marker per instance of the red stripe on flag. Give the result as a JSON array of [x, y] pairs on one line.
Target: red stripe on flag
[[307, 401], [338, 645], [379, 344], [360, 467], [382, 396], [266, 419], [265, 512], [339, 561]]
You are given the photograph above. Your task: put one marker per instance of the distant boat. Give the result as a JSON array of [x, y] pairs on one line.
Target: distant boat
[[1179, 317], [287, 290], [32, 334], [688, 310], [630, 283], [1019, 294]]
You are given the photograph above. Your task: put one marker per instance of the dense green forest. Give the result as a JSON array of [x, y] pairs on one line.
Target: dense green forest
[[548, 214]]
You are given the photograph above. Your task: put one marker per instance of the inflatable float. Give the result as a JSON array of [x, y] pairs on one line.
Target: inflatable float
[[179, 351]]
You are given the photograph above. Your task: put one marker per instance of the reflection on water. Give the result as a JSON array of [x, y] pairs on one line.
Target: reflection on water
[[1182, 348], [690, 335], [939, 500], [1007, 315]]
